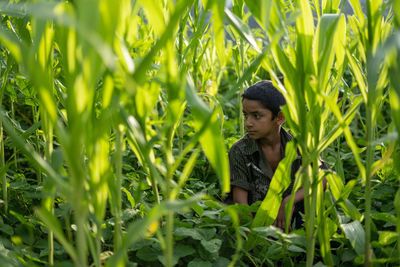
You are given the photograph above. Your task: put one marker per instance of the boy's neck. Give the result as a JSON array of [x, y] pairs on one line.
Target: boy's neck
[[271, 141]]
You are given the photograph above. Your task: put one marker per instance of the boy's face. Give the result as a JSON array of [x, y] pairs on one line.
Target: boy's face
[[258, 120]]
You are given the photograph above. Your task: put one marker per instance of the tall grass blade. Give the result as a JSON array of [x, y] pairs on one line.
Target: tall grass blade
[[33, 155], [155, 14], [212, 139], [11, 42], [218, 16], [51, 221], [140, 73], [242, 28], [268, 209]]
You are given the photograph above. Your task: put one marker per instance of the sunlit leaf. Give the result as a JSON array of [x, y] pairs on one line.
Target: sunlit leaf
[[242, 29], [356, 235], [211, 140]]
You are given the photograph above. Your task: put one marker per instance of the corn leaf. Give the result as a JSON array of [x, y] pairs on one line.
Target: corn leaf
[[324, 46], [241, 28], [11, 42], [211, 140], [218, 16], [155, 14], [33, 155], [140, 73], [51, 221], [268, 209]]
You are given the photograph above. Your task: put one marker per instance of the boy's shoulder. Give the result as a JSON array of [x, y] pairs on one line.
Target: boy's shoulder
[[244, 145]]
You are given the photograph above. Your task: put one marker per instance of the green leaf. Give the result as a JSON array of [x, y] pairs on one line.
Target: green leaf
[[33, 155], [342, 126], [383, 216], [129, 196], [212, 245], [180, 8], [51, 221], [358, 74], [211, 140], [355, 4], [324, 46], [222, 262], [268, 209], [198, 262], [5, 228], [326, 228], [148, 254], [242, 28], [305, 30], [330, 6], [138, 229], [294, 248], [188, 232], [218, 26], [123, 54], [155, 14], [11, 42], [341, 192], [387, 237], [356, 235], [261, 10], [247, 74], [180, 251], [396, 11]]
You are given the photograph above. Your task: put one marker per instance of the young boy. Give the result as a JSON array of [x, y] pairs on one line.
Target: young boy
[[254, 158]]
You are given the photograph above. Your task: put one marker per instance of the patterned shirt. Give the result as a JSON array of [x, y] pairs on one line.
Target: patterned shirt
[[250, 169]]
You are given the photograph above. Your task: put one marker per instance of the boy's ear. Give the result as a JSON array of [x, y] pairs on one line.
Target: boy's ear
[[280, 118]]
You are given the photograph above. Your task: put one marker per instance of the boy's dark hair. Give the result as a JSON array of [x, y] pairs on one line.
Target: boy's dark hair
[[267, 94]]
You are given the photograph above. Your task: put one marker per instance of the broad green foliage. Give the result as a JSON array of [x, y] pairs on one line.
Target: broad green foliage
[[116, 119]]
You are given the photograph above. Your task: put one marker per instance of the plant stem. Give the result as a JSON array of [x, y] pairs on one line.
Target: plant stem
[[14, 149], [310, 217], [181, 32], [370, 151], [2, 164], [49, 201], [241, 118], [80, 218], [241, 91], [35, 120], [170, 239], [2, 160], [118, 170]]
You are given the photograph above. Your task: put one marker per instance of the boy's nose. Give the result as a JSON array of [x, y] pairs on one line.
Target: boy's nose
[[248, 122]]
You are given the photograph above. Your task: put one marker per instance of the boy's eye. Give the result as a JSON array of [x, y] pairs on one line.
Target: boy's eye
[[257, 116], [245, 115]]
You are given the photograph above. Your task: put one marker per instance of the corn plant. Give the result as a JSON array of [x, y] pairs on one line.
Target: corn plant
[[145, 80], [394, 91], [313, 62], [371, 32], [103, 92]]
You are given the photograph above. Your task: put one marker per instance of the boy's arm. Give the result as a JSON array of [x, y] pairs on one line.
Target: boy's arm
[[240, 195], [238, 176], [280, 220]]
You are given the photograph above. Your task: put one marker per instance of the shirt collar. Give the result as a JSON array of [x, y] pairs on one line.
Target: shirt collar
[[251, 147]]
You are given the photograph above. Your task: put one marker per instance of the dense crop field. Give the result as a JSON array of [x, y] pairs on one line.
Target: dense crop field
[[116, 118]]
